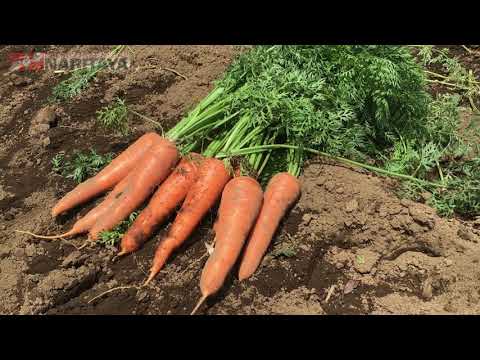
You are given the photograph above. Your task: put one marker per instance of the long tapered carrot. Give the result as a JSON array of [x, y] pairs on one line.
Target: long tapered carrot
[[84, 224], [281, 193], [240, 205], [157, 163], [212, 177], [111, 175], [164, 201]]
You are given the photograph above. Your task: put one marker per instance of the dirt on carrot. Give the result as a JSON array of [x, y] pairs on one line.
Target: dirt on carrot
[[169, 195], [349, 239]]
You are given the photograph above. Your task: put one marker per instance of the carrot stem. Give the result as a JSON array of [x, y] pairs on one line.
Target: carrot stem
[[261, 148]]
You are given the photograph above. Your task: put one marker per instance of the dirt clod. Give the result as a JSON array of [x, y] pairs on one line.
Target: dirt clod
[[75, 258], [42, 121], [365, 260]]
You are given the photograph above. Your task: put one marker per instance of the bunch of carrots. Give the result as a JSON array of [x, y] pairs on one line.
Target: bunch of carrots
[[154, 167]]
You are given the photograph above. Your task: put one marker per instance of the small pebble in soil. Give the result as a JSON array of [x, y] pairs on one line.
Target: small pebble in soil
[[350, 286], [427, 290], [304, 247], [19, 253], [46, 141], [352, 205], [448, 262]]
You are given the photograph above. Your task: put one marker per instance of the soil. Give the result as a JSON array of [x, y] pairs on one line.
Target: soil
[[349, 246]]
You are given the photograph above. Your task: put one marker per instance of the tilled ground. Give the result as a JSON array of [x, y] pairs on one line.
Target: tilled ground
[[350, 246]]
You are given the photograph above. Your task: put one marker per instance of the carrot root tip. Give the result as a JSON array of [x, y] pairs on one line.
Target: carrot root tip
[[150, 278], [119, 255], [200, 302], [51, 237]]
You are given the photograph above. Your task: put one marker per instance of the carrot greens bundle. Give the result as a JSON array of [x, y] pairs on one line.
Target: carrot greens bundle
[[366, 104]]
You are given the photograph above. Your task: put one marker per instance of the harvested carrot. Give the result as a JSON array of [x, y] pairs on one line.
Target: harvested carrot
[[282, 191], [84, 224], [157, 163], [212, 177], [240, 205], [110, 175], [167, 197]]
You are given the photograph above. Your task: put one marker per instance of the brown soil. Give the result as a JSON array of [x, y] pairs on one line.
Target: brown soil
[[349, 246]]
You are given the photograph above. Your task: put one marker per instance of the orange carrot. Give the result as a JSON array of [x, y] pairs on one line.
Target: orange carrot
[[155, 166], [167, 197], [281, 192], [84, 224], [212, 177], [241, 202], [109, 176]]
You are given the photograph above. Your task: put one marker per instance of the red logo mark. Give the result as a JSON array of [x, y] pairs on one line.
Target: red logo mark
[[33, 61]]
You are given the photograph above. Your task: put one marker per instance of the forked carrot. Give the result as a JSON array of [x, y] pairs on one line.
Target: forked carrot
[[167, 197], [282, 191], [111, 175], [240, 205], [84, 224], [202, 196], [157, 163]]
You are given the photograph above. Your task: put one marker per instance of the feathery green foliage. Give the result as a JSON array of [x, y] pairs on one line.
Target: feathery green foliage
[[80, 78], [453, 76], [365, 103], [347, 99], [114, 116], [76, 82], [81, 166], [111, 238]]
